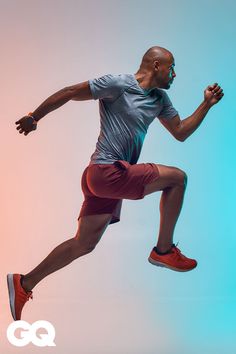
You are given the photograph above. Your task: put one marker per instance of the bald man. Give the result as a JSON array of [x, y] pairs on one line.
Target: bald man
[[128, 104]]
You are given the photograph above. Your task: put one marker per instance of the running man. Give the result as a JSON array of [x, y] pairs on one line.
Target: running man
[[128, 103]]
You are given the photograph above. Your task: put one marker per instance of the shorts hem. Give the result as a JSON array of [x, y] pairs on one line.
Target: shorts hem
[[153, 180]]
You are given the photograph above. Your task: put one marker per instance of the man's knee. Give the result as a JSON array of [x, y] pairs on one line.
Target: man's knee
[[169, 176], [89, 233], [87, 248], [182, 178], [83, 248]]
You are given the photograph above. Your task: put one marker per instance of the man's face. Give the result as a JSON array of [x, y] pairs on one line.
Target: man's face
[[165, 73]]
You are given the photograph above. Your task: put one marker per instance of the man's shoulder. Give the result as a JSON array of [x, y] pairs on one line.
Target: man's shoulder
[[110, 86], [121, 79]]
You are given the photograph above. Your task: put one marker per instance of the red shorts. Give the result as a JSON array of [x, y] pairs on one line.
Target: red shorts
[[105, 185]]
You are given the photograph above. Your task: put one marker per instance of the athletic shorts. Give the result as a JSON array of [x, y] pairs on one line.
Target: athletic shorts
[[105, 186]]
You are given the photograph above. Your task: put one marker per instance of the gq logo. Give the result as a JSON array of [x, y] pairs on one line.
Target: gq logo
[[28, 334]]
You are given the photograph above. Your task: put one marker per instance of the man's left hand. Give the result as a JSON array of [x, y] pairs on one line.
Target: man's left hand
[[213, 94]]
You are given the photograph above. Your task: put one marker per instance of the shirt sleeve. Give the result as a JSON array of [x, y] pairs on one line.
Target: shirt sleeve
[[105, 87], [167, 111]]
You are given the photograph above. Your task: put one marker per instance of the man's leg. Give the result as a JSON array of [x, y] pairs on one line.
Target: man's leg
[[173, 183], [90, 230]]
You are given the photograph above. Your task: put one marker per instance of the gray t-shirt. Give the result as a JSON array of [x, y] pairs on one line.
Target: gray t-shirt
[[126, 111]]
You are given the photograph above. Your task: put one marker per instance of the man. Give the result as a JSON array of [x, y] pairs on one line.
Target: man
[[128, 104]]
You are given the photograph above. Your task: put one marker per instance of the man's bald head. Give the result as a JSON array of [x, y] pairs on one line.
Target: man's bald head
[[156, 68], [153, 54]]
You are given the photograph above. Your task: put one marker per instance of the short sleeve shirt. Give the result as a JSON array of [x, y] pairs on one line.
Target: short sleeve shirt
[[126, 111]]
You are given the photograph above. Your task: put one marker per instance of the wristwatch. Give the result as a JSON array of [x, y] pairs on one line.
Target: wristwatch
[[30, 115]]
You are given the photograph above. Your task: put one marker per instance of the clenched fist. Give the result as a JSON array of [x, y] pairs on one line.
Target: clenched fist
[[213, 94], [26, 125]]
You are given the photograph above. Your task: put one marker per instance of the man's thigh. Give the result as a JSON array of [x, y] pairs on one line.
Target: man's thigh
[[169, 176], [120, 180]]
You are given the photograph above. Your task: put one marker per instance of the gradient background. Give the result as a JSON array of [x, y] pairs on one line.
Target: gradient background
[[113, 300]]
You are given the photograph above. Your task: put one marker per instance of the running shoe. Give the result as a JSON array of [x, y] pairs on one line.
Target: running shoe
[[17, 295], [174, 260]]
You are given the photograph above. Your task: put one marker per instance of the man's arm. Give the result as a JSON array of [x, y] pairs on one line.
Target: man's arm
[[79, 92], [182, 129]]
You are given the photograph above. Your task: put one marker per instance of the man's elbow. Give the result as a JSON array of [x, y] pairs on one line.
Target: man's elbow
[[179, 134], [180, 137]]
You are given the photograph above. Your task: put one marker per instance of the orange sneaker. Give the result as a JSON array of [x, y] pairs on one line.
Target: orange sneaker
[[17, 295], [174, 260]]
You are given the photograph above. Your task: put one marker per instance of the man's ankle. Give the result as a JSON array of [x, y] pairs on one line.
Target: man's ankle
[[24, 285], [163, 250]]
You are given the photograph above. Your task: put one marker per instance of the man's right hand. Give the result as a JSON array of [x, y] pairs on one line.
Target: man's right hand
[[213, 94], [26, 125]]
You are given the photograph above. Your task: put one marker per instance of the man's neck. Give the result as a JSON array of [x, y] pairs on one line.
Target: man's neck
[[145, 81]]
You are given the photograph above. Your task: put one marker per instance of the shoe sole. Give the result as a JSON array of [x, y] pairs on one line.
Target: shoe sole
[[11, 291], [164, 265]]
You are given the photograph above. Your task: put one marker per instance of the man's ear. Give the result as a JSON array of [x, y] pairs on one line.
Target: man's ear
[[156, 64]]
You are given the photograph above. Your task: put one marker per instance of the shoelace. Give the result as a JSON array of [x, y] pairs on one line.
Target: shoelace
[[177, 250], [175, 247]]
